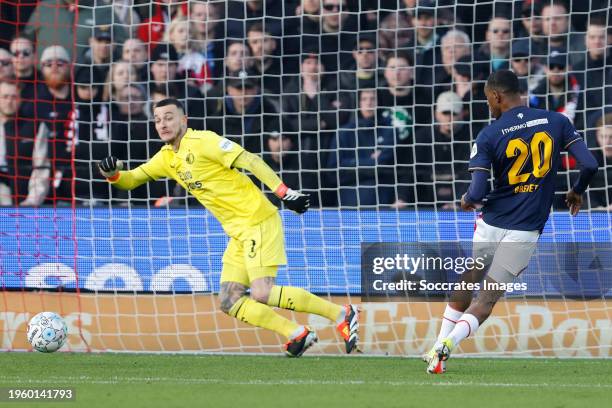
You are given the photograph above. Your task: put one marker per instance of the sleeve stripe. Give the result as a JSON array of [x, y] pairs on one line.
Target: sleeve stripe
[[571, 143], [478, 168]]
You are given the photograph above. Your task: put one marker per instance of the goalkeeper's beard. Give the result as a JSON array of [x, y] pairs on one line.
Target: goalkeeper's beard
[[179, 134]]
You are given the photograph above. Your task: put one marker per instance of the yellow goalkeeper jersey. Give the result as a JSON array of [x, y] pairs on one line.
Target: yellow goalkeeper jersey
[[202, 166]]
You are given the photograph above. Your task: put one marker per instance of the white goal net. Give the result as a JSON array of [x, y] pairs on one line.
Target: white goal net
[[369, 106]]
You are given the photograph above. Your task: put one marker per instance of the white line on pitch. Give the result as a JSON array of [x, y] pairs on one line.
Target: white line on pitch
[[137, 380]]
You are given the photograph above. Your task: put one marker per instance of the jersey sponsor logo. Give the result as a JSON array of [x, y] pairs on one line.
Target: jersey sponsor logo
[[536, 122], [474, 151], [196, 185], [520, 116], [184, 175], [528, 124], [226, 145]]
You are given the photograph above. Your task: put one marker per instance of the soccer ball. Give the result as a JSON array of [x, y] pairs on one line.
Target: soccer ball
[[47, 332]]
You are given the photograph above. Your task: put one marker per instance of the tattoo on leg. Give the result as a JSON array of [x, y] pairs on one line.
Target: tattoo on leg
[[229, 294], [260, 288]]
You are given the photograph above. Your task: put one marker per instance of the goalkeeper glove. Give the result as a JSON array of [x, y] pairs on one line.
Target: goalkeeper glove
[[110, 167], [294, 200]]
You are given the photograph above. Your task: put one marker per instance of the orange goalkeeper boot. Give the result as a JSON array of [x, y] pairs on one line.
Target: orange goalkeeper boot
[[349, 328], [301, 343]]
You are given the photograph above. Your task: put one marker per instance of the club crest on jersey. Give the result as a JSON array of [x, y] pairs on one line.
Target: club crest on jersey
[[226, 145], [474, 151], [190, 158]]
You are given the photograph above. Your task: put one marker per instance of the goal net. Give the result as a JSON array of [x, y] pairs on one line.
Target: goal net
[[371, 107]]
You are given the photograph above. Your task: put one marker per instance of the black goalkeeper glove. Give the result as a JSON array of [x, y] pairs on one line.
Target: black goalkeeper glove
[[294, 200], [110, 166]]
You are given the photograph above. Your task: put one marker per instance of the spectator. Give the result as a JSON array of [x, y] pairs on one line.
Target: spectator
[[54, 106], [592, 73], [192, 63], [600, 189], [126, 13], [366, 157], [135, 52], [337, 38], [244, 115], [120, 74], [362, 73], [280, 154], [88, 98], [395, 32], [453, 45], [93, 119], [155, 95], [263, 46], [240, 13], [24, 164], [164, 62], [153, 25], [530, 28], [399, 99], [425, 39], [27, 75], [207, 31], [309, 108], [556, 27], [496, 49], [53, 23], [442, 151], [311, 10], [100, 49], [177, 34], [238, 59], [467, 84], [130, 128], [24, 64], [528, 70], [301, 32], [6, 65], [559, 90]]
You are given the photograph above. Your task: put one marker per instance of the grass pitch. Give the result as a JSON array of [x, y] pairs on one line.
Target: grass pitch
[[145, 380]]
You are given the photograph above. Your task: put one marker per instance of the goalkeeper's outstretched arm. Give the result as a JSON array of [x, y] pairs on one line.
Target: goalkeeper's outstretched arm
[[111, 168], [294, 200]]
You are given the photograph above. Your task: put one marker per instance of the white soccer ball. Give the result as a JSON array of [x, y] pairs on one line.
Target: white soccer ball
[[47, 332]]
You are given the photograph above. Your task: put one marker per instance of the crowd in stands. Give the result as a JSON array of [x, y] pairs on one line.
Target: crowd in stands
[[361, 103]]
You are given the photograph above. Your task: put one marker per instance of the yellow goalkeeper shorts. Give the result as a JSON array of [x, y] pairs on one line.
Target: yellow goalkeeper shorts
[[258, 246]]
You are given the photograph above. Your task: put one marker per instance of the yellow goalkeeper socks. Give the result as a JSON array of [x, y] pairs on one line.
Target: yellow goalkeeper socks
[[260, 315], [292, 298]]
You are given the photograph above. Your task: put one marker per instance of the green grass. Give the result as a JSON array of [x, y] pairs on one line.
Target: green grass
[[145, 380]]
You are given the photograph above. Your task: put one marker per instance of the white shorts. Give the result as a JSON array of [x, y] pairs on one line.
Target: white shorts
[[506, 252]]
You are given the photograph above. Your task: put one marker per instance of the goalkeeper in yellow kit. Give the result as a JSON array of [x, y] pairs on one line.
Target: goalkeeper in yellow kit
[[206, 165]]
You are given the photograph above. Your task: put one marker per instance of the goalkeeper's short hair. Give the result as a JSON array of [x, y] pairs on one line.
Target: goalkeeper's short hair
[[170, 101]]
